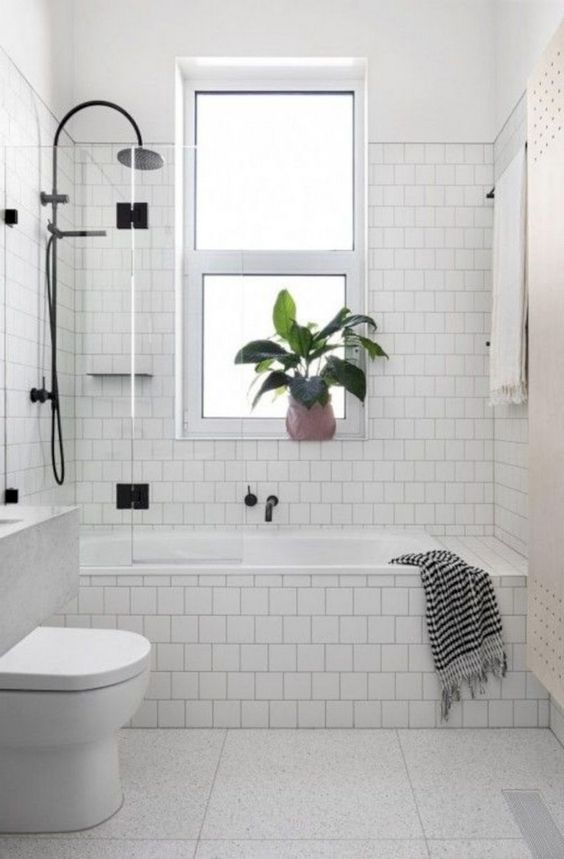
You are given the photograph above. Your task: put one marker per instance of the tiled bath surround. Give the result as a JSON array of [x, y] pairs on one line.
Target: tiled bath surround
[[427, 458], [330, 651], [317, 650]]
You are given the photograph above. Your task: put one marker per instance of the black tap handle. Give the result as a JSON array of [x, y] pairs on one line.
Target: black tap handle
[[40, 395], [250, 498]]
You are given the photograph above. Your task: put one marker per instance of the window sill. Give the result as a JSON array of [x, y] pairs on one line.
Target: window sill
[[249, 437]]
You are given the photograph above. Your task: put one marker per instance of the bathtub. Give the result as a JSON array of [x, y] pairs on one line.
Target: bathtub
[[266, 550], [280, 627]]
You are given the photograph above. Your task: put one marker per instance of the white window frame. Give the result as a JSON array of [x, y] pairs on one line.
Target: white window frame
[[196, 263]]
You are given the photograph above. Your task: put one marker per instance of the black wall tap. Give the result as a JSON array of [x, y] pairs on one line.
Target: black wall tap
[[250, 498], [271, 503]]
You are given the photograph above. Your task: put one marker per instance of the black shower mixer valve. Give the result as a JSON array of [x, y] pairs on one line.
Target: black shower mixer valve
[[40, 395]]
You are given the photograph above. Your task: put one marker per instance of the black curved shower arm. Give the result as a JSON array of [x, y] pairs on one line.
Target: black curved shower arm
[[82, 106], [96, 103]]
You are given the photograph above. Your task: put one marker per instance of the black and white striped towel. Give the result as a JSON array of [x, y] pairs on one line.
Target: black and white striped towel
[[463, 621]]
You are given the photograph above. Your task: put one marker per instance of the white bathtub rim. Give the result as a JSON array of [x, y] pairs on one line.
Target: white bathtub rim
[[200, 569], [147, 568], [278, 555]]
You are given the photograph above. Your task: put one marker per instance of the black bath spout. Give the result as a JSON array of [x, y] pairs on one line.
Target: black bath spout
[[271, 502]]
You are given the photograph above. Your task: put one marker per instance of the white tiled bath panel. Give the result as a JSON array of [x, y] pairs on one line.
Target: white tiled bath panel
[[286, 651], [428, 456]]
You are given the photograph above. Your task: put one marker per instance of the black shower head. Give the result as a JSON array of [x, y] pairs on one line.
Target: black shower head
[[144, 159]]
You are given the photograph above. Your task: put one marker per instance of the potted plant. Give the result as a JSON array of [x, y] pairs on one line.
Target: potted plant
[[301, 360]]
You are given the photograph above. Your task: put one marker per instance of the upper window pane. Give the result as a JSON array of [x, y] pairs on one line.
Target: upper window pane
[[274, 171]]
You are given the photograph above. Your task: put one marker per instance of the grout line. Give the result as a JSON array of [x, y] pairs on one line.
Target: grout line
[[377, 142], [384, 839], [198, 839], [118, 839], [412, 792]]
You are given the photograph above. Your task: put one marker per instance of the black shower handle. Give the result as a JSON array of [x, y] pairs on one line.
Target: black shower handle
[[40, 395]]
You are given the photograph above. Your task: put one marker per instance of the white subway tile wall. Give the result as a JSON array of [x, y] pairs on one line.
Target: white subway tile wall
[[428, 456], [307, 651], [510, 421]]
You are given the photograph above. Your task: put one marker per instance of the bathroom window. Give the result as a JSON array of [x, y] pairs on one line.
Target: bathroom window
[[273, 199]]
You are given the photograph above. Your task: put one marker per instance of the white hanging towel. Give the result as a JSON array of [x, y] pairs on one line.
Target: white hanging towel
[[508, 349]]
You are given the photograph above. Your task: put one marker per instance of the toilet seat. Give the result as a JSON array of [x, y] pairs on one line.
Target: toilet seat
[[61, 659]]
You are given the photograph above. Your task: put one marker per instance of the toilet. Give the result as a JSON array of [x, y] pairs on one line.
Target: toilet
[[64, 694]]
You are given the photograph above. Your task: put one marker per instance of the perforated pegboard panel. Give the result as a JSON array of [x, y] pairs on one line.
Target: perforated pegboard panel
[[545, 120], [546, 103], [546, 627]]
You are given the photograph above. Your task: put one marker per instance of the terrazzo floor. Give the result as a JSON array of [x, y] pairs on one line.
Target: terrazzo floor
[[295, 794]]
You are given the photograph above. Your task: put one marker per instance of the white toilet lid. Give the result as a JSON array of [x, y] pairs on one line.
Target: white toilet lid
[[64, 659]]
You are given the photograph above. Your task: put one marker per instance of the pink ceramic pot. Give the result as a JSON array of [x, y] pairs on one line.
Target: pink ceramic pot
[[315, 424]]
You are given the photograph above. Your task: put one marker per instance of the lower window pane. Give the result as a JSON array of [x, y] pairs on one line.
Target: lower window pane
[[238, 309]]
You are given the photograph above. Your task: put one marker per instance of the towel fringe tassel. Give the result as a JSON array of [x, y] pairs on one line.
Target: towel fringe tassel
[[473, 669]]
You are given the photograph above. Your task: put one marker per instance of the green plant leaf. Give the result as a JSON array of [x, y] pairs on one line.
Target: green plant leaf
[[335, 325], [359, 319], [351, 377], [284, 313], [264, 366], [374, 349], [300, 339], [309, 391], [259, 350], [277, 379]]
